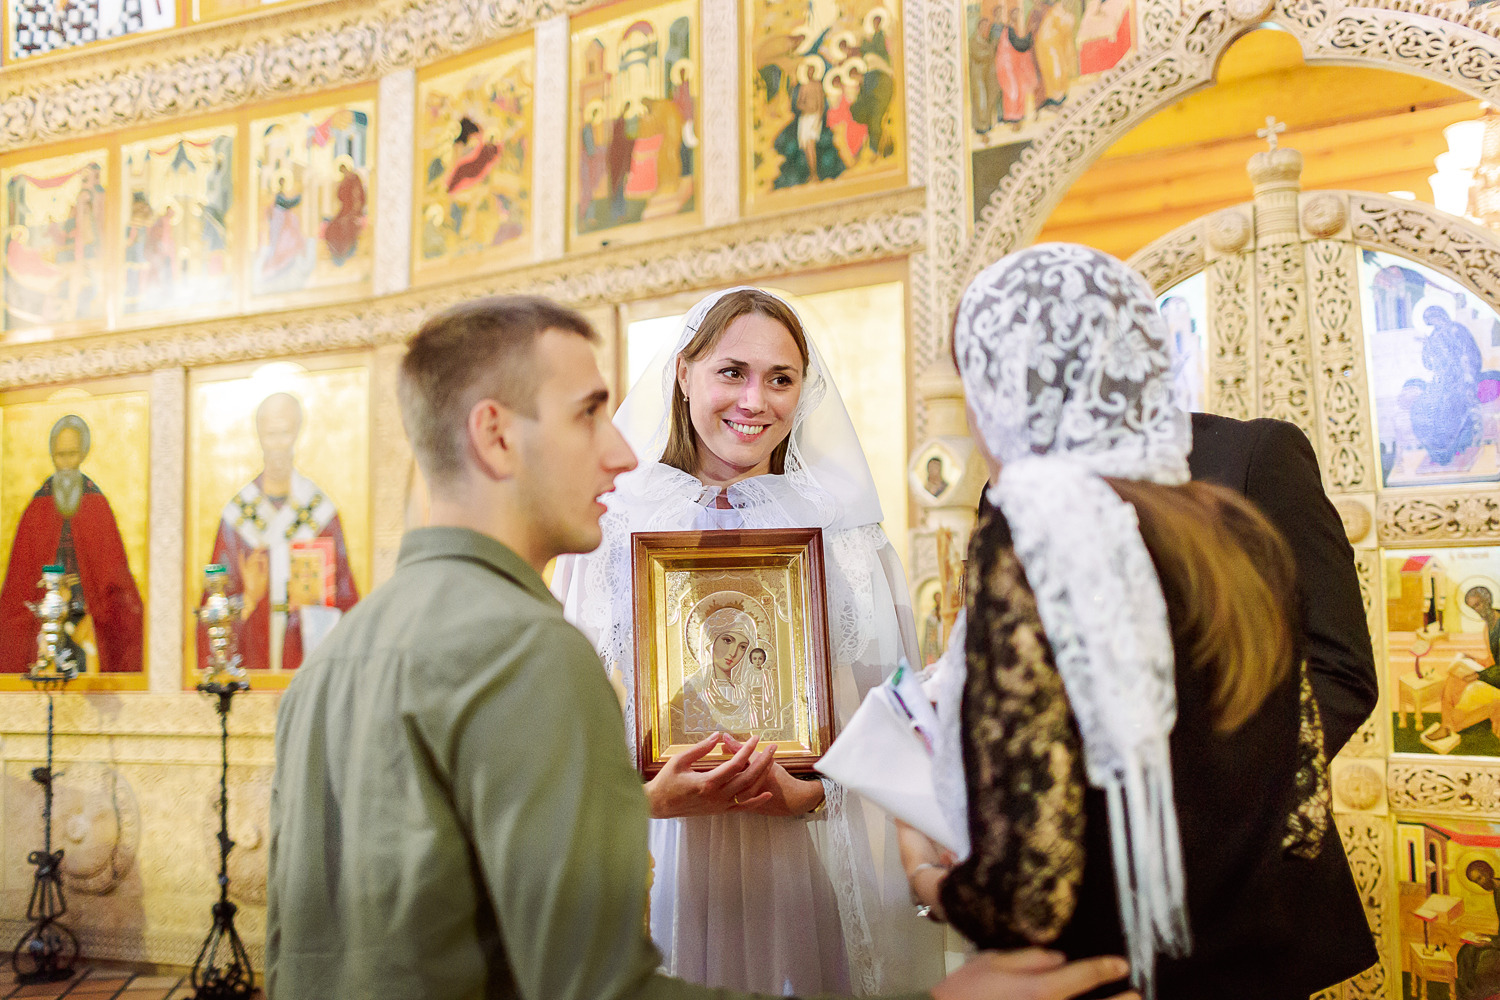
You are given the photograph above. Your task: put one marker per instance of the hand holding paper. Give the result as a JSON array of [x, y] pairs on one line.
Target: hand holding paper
[[884, 754]]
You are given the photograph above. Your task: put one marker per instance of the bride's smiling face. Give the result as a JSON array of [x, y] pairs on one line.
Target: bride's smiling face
[[742, 396]]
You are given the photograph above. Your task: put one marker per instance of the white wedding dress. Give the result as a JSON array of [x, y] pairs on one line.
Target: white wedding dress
[[805, 905]]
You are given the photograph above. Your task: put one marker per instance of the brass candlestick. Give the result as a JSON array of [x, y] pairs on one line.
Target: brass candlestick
[[223, 678], [48, 950]]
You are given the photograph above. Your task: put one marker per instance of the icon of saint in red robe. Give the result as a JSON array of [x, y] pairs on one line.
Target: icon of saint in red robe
[[69, 522]]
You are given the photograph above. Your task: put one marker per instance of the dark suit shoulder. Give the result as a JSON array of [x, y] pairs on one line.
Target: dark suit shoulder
[[1224, 447]]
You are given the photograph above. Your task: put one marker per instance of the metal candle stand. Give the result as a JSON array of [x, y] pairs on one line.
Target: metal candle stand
[[48, 951], [233, 980]]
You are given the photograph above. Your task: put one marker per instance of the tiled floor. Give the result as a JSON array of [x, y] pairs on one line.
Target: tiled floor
[[99, 982]]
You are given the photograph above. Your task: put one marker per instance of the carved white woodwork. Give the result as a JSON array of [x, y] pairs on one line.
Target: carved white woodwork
[[395, 144], [550, 134]]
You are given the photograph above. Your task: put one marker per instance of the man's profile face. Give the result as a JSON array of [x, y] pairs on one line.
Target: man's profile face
[[67, 450], [570, 451]]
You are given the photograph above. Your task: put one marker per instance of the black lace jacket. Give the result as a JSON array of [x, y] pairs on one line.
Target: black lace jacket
[[1253, 807]]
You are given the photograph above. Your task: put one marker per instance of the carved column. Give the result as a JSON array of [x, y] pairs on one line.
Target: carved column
[[1231, 354], [948, 499], [719, 113], [1283, 350], [394, 142], [165, 546], [550, 130]]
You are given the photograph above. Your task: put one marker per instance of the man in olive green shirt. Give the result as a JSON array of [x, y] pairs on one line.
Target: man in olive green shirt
[[454, 814]]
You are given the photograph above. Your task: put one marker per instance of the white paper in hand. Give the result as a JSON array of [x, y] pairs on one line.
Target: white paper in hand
[[881, 756]]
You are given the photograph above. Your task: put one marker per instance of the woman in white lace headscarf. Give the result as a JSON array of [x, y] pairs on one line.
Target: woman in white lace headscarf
[[737, 425], [1135, 740]]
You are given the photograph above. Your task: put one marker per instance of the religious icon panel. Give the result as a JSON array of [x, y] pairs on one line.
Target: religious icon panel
[[1025, 60], [38, 27], [1434, 352], [1442, 610], [474, 161], [824, 114], [76, 494], [731, 637], [179, 218], [1184, 307], [311, 177], [55, 241], [295, 549], [634, 151], [1448, 879]]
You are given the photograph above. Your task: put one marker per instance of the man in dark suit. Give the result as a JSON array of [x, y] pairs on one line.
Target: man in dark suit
[[1272, 463]]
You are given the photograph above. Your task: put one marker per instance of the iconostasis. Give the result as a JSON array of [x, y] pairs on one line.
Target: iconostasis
[[222, 219]]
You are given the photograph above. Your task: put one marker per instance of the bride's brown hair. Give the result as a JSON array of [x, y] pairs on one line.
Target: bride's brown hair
[[682, 440]]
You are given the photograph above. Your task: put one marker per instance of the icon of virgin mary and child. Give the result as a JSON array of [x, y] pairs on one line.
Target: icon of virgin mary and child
[[734, 688]]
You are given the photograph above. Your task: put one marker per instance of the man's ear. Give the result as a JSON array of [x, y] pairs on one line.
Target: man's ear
[[492, 439]]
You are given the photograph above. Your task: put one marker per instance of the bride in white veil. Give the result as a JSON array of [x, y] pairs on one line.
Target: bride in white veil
[[769, 903]]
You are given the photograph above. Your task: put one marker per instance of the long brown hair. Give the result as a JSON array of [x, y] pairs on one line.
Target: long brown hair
[[1230, 585], [682, 440]]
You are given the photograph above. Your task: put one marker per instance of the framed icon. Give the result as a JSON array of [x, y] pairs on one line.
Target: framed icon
[[731, 637]]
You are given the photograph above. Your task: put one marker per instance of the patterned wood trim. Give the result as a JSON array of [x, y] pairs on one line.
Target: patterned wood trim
[[1171, 258], [1231, 364], [1438, 518], [1468, 787], [1339, 367], [229, 65]]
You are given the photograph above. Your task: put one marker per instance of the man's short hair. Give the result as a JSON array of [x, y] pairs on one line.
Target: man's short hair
[[484, 349]]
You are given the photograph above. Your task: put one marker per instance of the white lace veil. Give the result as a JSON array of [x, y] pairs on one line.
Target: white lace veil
[[825, 466], [1067, 367]]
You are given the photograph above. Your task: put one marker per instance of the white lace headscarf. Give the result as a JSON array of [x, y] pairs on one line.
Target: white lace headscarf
[[1068, 371]]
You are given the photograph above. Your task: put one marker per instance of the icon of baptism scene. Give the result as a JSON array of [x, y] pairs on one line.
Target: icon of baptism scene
[[635, 156], [54, 212], [1435, 350], [824, 89], [1448, 876], [75, 496], [295, 549], [474, 186], [312, 226]]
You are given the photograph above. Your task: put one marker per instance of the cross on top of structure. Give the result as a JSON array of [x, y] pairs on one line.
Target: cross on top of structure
[[1272, 130]]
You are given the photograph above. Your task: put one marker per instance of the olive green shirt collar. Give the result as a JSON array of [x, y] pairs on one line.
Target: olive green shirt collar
[[421, 544]]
